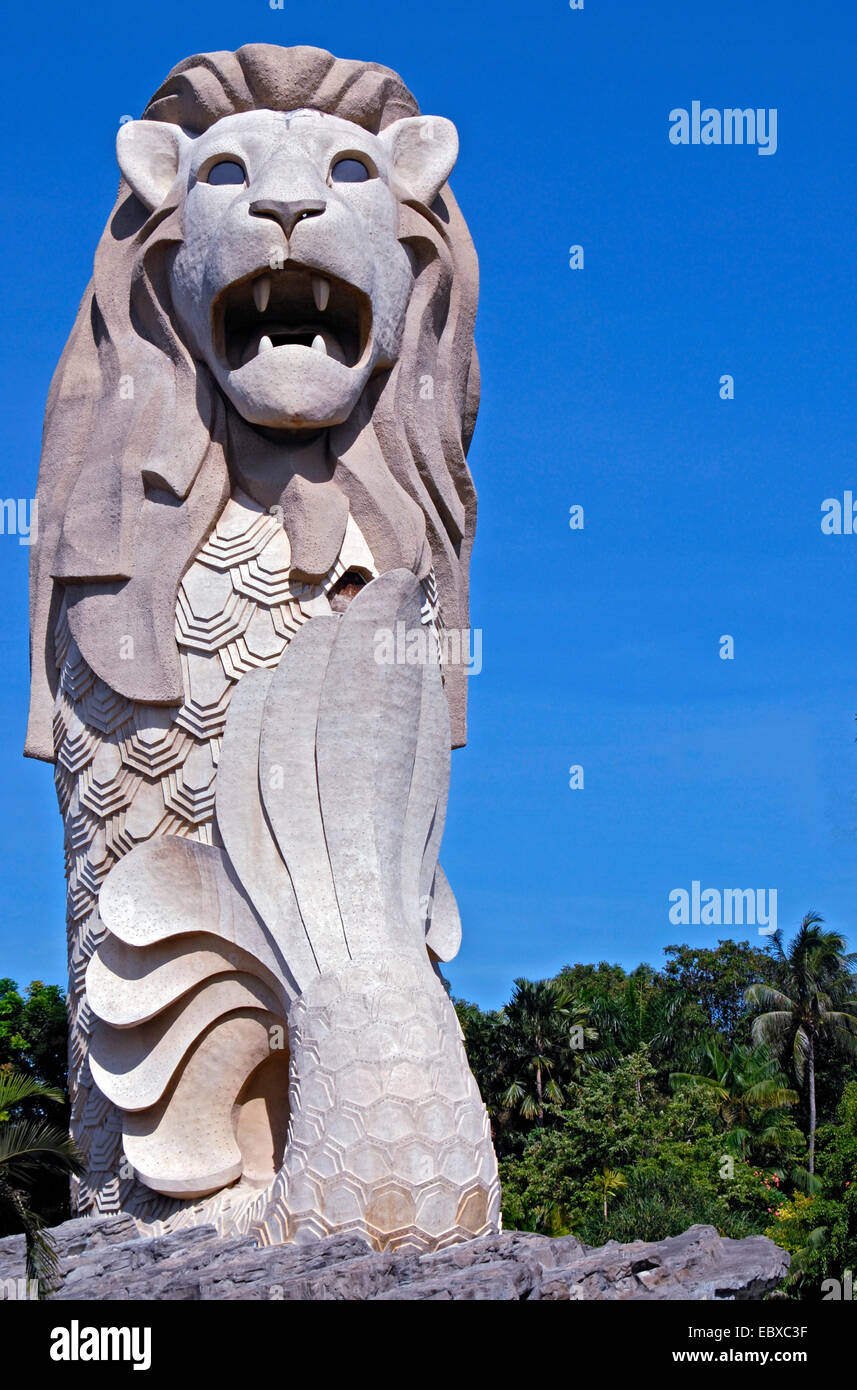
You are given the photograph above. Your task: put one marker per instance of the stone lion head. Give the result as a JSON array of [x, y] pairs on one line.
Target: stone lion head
[[283, 300]]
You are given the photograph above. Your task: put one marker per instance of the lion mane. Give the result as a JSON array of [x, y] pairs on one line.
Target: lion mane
[[135, 465]]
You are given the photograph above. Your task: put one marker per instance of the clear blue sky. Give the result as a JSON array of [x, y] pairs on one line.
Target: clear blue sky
[[600, 387]]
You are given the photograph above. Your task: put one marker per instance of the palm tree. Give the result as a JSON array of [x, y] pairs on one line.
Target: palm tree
[[644, 1015], [542, 1033], [815, 1002], [607, 1183], [29, 1148], [750, 1088]]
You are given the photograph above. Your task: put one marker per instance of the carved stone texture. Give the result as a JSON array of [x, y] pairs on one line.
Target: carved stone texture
[[109, 1259], [309, 929], [156, 775], [389, 1138], [233, 506]]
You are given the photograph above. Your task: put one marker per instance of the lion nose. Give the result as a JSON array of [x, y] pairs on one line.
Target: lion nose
[[288, 214]]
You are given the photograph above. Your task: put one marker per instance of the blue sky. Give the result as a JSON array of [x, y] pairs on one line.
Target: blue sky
[[600, 387]]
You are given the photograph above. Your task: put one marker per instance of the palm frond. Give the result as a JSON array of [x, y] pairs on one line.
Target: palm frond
[[768, 998], [28, 1146], [16, 1086]]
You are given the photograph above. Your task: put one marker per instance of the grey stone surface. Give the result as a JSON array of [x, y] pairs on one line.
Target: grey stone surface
[[99, 1261]]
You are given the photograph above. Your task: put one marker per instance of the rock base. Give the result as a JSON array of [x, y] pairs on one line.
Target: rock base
[[107, 1259]]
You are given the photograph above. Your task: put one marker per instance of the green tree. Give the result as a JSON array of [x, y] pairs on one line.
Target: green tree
[[28, 1149], [587, 982], [711, 985], [670, 1151], [672, 1082], [812, 1002], [34, 1041], [820, 1230], [608, 1182], [542, 1035], [34, 1031], [642, 1015], [751, 1092]]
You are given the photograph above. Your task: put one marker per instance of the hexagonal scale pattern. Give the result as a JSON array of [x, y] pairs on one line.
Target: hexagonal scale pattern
[[377, 1045], [209, 611]]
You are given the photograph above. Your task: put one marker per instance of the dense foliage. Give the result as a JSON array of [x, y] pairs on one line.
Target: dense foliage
[[34, 1045], [629, 1106], [30, 1149], [34, 1031]]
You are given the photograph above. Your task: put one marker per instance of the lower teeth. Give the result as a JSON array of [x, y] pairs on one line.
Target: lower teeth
[[274, 338]]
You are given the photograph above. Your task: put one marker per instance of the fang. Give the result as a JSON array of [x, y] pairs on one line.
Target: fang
[[262, 292], [320, 292]]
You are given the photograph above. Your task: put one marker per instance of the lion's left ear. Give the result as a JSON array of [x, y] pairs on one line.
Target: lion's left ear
[[423, 151]]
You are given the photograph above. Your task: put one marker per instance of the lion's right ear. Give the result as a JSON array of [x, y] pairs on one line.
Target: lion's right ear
[[148, 153]]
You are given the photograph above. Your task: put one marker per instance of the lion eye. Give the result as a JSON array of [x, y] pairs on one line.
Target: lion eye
[[350, 171], [225, 171]]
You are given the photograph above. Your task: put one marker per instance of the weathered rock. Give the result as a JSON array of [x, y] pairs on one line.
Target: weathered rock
[[108, 1260]]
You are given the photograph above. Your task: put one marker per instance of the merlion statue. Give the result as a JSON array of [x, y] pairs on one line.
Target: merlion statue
[[253, 476]]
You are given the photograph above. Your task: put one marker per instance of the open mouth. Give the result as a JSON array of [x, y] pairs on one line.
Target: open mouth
[[288, 308]]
